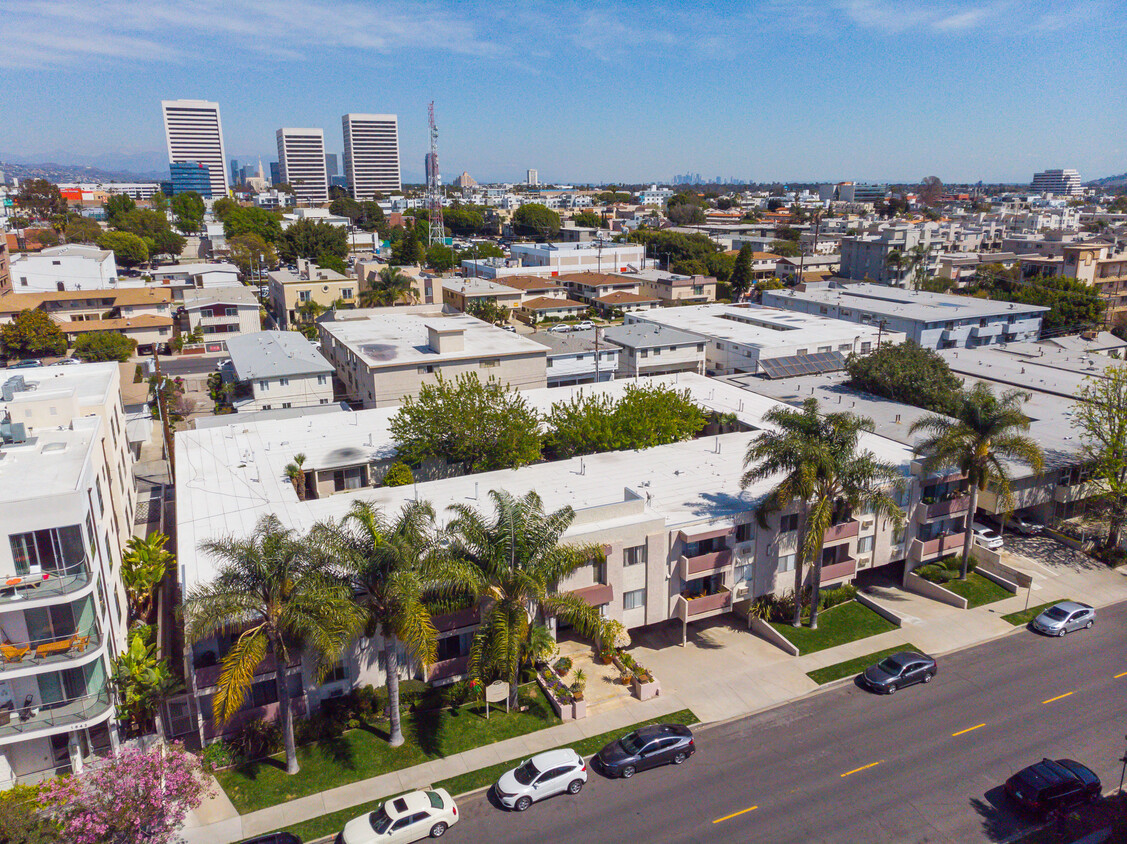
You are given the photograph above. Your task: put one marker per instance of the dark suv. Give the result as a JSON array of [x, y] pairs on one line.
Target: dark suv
[[1049, 787]]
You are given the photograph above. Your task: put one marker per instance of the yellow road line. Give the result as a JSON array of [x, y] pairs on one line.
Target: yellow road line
[[1058, 697], [967, 730], [862, 768], [736, 814], [1124, 674]]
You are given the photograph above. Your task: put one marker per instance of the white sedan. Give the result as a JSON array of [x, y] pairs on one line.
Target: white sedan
[[412, 817], [544, 775]]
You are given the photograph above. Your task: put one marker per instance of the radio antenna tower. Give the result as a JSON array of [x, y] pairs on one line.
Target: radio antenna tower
[[436, 233]]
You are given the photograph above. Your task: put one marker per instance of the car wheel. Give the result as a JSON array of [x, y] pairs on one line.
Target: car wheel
[[1061, 632], [438, 830], [575, 787], [927, 677], [680, 757], [892, 689], [523, 804], [628, 772], [1088, 626]]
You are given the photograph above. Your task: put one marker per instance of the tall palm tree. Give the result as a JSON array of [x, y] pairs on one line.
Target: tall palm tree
[[896, 260], [915, 261], [386, 560], [514, 560], [392, 285], [285, 599], [295, 474], [983, 433]]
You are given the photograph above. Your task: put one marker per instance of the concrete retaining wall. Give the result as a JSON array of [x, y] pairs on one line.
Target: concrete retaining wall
[[984, 570], [765, 631], [1021, 578], [915, 583], [881, 610], [1066, 540]]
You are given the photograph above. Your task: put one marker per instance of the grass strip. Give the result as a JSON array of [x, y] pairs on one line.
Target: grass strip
[[1017, 619], [837, 625], [855, 666], [978, 590]]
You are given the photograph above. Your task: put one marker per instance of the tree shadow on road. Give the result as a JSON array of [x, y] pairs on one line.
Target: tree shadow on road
[[999, 823]]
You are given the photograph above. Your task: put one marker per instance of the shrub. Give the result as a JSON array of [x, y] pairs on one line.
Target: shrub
[[399, 474], [258, 738], [563, 665], [832, 597], [218, 754]]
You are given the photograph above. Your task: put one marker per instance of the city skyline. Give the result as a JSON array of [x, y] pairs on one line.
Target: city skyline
[[823, 91]]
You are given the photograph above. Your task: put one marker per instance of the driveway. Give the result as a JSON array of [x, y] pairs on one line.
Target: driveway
[[1061, 572]]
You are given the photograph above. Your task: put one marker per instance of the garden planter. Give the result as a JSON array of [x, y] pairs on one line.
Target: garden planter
[[645, 691], [568, 711]]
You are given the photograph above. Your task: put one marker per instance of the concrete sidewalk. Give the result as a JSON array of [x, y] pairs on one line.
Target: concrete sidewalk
[[724, 672]]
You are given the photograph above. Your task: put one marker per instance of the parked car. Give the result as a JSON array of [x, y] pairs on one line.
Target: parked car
[[67, 362], [649, 747], [1064, 618], [585, 325], [1024, 524], [274, 838], [986, 537], [509, 328], [899, 670], [544, 775], [1049, 787], [222, 363], [26, 363], [412, 817], [562, 328]]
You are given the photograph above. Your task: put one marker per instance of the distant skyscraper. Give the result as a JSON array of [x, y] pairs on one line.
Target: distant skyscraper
[[275, 173], [301, 163], [190, 176], [236, 172], [194, 132], [1061, 182], [533, 179], [371, 154], [331, 165]]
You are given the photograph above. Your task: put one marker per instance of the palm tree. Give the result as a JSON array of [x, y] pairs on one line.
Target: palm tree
[[386, 561], [143, 566], [285, 599], [896, 260], [392, 285], [983, 432], [296, 475], [915, 261], [514, 560]]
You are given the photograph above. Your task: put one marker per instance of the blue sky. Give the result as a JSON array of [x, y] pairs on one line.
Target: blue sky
[[889, 90]]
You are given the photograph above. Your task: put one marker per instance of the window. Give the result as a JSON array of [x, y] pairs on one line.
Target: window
[[303, 295], [337, 673], [426, 370], [600, 567], [788, 523], [489, 363], [286, 404], [745, 573], [645, 353], [322, 380], [264, 385], [283, 382], [207, 313], [786, 563], [633, 556], [634, 600], [745, 532], [230, 311], [346, 293], [864, 545], [323, 401], [898, 536], [865, 347]]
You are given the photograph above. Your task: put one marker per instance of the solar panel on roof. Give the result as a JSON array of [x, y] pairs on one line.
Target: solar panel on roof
[[787, 367]]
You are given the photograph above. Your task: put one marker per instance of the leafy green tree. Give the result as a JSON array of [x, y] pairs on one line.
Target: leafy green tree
[[537, 221], [165, 242], [908, 373], [266, 224], [386, 559], [488, 311], [720, 266], [481, 249], [250, 251], [398, 474], [513, 560], [128, 249], [188, 210], [41, 199], [685, 214], [1072, 304], [1101, 419], [223, 207], [588, 219], [441, 257], [283, 595], [142, 680], [675, 247], [104, 345], [82, 230], [295, 474], [330, 261], [743, 274], [464, 220], [159, 203], [409, 250], [483, 425], [32, 334], [116, 207], [21, 821], [984, 432], [389, 287], [143, 566], [784, 248], [311, 239]]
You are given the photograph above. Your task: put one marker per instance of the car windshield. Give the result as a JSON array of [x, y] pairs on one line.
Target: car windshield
[[889, 665], [631, 743], [1056, 613], [526, 773], [380, 821]]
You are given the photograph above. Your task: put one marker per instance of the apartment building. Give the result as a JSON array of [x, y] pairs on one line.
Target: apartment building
[[63, 609], [776, 343], [865, 257], [287, 291], [69, 267], [181, 279], [220, 312], [142, 314], [193, 132], [555, 259], [371, 154], [463, 294], [5, 267], [1098, 264], [383, 354], [655, 350], [426, 287], [578, 357], [277, 370], [609, 292], [673, 289], [302, 164], [934, 320]]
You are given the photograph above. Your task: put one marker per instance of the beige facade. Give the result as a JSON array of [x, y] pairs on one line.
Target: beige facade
[[287, 292], [5, 266], [669, 289], [463, 294], [426, 289], [143, 314]]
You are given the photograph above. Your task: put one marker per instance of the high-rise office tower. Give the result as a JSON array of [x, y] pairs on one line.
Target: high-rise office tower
[[275, 173], [533, 179], [371, 154], [190, 176], [331, 165], [301, 163], [1060, 182], [194, 132], [236, 172]]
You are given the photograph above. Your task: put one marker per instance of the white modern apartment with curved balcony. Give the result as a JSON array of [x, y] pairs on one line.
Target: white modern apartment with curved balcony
[[67, 502]]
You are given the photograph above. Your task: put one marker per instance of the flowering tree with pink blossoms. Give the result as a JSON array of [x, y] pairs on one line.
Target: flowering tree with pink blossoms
[[137, 797]]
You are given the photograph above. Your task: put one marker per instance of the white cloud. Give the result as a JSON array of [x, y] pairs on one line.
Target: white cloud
[[905, 15]]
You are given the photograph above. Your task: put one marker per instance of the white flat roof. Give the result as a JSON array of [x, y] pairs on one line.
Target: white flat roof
[[918, 305]]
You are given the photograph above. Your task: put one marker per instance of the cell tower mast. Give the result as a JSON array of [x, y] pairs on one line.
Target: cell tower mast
[[436, 233]]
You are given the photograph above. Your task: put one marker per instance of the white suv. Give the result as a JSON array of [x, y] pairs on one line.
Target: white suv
[[544, 775]]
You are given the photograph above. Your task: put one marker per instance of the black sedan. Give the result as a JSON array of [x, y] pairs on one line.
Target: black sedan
[[648, 747], [899, 670]]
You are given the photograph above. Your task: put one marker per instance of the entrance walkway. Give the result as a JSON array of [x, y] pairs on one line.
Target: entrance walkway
[[603, 691]]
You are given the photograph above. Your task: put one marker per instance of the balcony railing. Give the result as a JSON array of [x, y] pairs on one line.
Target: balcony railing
[[39, 584], [31, 717], [208, 675], [447, 668], [704, 564], [468, 617], [704, 606], [1075, 492], [943, 508], [845, 567], [922, 550], [843, 531], [57, 649]]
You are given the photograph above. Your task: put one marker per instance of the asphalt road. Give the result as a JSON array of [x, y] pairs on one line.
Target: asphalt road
[[189, 365], [926, 764]]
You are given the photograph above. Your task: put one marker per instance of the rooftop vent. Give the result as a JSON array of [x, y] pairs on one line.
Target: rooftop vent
[[15, 384]]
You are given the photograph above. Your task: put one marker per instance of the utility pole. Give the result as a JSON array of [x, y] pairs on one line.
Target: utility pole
[[162, 409], [880, 332]]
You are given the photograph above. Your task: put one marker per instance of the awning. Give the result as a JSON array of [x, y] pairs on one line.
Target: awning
[[597, 595], [701, 532]]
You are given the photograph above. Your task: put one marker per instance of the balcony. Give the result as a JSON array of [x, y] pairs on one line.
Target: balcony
[[32, 718], [841, 532], [45, 652], [845, 567], [1075, 492], [704, 564], [992, 329], [208, 675], [705, 606], [942, 509], [448, 622], [41, 586], [447, 668], [922, 551]]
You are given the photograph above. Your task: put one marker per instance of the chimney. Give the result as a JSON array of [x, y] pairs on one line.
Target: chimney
[[445, 340]]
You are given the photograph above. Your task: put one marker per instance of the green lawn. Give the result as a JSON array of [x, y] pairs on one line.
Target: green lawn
[[364, 752], [978, 590], [836, 626], [855, 666], [1018, 619], [315, 828]]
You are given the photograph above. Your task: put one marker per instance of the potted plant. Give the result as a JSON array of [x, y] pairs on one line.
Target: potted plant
[[627, 678], [579, 685], [563, 665]]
